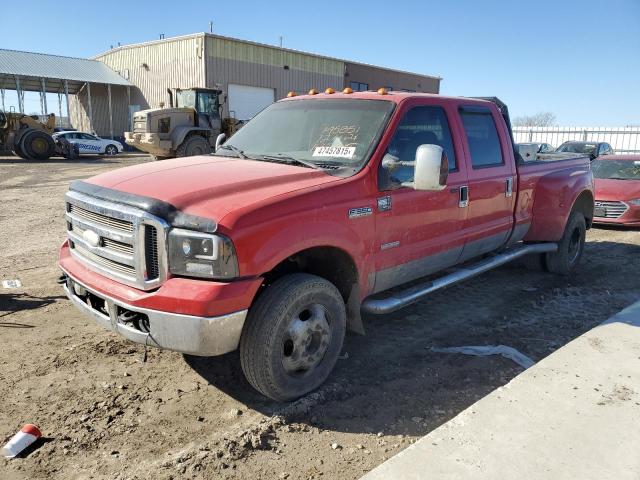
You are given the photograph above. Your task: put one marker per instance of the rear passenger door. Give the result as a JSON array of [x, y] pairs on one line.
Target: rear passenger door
[[491, 180]]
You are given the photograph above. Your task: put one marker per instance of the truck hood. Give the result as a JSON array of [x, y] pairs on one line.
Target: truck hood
[[610, 189], [209, 186]]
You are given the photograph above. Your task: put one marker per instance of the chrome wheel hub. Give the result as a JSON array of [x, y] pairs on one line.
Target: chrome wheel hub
[[306, 340]]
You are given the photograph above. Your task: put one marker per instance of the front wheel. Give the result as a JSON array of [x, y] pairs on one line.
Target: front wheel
[[293, 336], [570, 246], [111, 150]]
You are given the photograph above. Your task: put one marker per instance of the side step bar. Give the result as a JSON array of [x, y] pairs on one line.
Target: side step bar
[[413, 294]]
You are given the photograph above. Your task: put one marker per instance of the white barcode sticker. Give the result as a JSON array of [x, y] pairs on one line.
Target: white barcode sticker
[[344, 152]]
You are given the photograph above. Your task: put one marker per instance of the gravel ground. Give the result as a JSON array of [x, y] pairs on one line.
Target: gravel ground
[[105, 414]]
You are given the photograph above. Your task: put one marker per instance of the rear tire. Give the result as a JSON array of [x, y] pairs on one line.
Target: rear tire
[[38, 145], [292, 336], [570, 246], [193, 145]]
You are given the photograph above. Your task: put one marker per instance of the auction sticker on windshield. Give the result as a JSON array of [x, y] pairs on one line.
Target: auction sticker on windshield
[[344, 152]]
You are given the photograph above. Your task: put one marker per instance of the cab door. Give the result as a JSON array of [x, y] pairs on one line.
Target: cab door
[[419, 232], [491, 178]]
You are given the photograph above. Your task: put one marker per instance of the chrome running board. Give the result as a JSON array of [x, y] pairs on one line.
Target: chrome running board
[[413, 294]]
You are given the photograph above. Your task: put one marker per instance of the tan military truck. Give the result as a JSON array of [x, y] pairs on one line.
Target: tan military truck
[[26, 135], [189, 126]]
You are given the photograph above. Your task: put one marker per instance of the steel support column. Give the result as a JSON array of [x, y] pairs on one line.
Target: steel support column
[[130, 121], [110, 111], [20, 95], [59, 109], [66, 94], [90, 108], [44, 96], [2, 95]]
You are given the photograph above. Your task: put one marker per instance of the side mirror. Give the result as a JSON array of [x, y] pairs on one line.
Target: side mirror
[[220, 140], [431, 168]]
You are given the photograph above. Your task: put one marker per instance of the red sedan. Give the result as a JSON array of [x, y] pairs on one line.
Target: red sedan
[[617, 180]]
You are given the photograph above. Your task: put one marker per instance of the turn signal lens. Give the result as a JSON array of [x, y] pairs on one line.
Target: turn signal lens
[[329, 91], [382, 91], [313, 91], [291, 94], [347, 90]]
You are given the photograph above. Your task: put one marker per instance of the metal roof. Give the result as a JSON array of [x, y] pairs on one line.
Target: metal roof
[[31, 67]]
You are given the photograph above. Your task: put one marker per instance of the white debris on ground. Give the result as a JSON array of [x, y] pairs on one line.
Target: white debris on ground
[[11, 283], [507, 352]]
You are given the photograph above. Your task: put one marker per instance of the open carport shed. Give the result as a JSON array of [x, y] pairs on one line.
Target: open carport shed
[[64, 76]]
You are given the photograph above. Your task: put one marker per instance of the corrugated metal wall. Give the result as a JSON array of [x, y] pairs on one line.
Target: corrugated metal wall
[[156, 66], [376, 77], [229, 61], [79, 110]]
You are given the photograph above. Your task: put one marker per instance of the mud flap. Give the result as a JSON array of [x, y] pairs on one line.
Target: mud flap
[[354, 318]]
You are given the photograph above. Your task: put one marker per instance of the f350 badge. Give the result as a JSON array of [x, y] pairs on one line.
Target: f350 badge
[[360, 212]]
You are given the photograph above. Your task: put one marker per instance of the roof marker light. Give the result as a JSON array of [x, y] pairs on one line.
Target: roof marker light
[[291, 94], [313, 91], [347, 90], [382, 91], [329, 91]]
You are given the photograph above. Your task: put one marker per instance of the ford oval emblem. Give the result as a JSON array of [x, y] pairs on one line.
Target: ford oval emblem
[[91, 237]]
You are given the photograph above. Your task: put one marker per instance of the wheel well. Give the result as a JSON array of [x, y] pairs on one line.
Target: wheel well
[[584, 204], [330, 263]]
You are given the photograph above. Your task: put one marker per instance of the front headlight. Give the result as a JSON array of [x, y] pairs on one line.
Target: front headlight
[[635, 202], [203, 255]]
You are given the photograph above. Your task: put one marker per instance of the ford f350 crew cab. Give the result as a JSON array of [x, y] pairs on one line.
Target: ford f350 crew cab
[[307, 217]]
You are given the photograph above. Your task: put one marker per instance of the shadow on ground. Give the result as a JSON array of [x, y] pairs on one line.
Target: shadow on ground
[[14, 302], [391, 381]]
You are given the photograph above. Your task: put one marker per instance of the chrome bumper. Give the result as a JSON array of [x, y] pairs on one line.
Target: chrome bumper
[[203, 336]]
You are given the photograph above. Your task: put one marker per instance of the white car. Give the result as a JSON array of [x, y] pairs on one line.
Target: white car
[[88, 143]]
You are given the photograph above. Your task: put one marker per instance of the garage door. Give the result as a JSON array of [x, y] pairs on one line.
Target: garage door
[[246, 101]]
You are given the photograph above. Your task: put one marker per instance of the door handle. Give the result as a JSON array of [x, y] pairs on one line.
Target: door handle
[[464, 197], [508, 192]]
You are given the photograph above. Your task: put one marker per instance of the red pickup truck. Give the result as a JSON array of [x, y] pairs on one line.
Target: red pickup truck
[[307, 217]]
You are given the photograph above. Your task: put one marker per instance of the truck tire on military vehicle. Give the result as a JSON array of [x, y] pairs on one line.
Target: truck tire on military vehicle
[[38, 145], [194, 145]]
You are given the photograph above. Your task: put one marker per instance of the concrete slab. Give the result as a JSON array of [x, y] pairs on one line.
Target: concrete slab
[[573, 415]]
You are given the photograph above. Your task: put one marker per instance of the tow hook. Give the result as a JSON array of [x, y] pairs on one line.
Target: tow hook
[[62, 279]]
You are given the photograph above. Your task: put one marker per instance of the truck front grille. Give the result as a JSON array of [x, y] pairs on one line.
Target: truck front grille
[[118, 241], [609, 209]]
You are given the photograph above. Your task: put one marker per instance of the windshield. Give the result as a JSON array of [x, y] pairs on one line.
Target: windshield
[[616, 169], [321, 132], [186, 98], [587, 148]]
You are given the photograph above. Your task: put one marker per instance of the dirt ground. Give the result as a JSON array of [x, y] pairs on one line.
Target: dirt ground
[[105, 414]]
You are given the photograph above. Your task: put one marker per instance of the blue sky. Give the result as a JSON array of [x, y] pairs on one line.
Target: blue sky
[[577, 59]]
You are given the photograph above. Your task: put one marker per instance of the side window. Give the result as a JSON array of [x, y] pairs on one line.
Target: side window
[[482, 137], [359, 86], [419, 126]]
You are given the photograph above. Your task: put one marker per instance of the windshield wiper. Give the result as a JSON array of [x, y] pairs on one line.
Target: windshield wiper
[[290, 160], [235, 150]]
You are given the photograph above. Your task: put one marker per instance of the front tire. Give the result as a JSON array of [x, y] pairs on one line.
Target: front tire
[[570, 246], [193, 145], [111, 150], [292, 336], [38, 145]]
